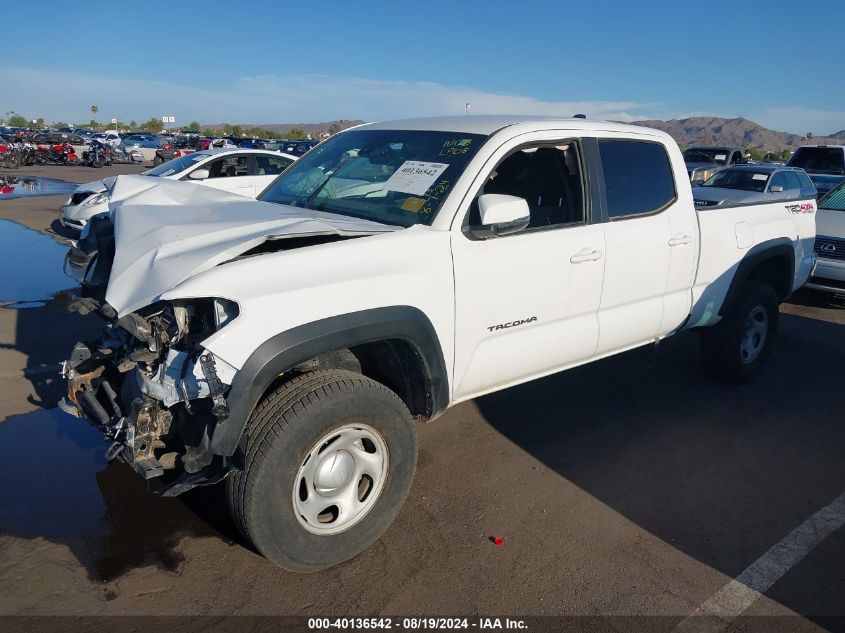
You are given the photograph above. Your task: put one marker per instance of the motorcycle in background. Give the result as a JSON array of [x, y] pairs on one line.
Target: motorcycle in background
[[120, 155], [60, 154], [98, 155]]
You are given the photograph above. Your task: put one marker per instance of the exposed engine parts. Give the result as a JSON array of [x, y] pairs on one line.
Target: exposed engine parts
[[152, 389]]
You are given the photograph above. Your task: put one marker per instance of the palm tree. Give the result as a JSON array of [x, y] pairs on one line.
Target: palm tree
[[94, 110]]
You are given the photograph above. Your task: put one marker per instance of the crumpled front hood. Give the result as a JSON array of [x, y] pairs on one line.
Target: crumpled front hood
[[167, 231], [96, 186]]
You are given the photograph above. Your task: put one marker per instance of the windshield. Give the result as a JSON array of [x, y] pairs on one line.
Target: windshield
[[742, 179], [390, 176], [819, 160], [706, 155], [834, 199], [176, 165]]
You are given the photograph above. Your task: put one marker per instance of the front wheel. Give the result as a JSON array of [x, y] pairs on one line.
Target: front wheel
[[737, 347], [330, 457]]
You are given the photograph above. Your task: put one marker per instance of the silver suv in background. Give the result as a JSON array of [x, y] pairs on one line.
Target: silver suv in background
[[749, 184]]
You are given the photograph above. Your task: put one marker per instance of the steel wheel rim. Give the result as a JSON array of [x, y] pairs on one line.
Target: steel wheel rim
[[754, 336], [340, 479]]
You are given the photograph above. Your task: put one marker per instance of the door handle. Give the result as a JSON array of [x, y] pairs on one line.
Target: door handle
[[680, 239], [585, 255]]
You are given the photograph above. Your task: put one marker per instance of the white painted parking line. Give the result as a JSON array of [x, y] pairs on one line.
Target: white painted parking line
[[729, 602]]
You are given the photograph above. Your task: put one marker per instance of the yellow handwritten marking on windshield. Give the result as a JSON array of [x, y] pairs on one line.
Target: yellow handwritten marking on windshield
[[456, 147]]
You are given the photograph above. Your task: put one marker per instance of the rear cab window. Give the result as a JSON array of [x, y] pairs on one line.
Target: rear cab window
[[638, 177]]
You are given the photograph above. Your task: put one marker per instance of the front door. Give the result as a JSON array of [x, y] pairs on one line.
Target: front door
[[527, 303]]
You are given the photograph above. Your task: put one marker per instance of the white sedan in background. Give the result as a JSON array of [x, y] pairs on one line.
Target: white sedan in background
[[245, 172]]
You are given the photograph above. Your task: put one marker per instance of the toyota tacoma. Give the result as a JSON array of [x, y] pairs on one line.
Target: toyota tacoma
[[290, 345]]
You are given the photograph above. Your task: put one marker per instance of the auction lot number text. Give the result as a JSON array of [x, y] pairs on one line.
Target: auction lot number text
[[415, 624]]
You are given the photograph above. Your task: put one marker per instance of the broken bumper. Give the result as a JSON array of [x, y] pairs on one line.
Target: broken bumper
[[156, 405]]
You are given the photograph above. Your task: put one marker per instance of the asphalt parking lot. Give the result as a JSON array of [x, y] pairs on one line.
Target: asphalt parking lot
[[632, 489]]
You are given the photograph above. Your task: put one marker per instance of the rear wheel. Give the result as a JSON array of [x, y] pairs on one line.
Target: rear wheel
[[737, 347], [330, 457]]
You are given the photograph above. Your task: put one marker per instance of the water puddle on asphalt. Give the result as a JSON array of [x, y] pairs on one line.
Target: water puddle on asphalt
[[26, 186], [30, 266], [58, 487]]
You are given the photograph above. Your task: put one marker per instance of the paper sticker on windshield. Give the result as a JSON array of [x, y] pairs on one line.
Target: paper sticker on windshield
[[415, 177], [413, 204], [759, 177], [721, 156]]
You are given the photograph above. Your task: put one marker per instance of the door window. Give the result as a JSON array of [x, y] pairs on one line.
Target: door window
[[547, 177], [638, 178], [778, 180], [270, 165], [229, 166], [793, 182]]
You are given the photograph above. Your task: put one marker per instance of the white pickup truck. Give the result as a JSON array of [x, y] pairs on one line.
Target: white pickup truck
[[290, 345]]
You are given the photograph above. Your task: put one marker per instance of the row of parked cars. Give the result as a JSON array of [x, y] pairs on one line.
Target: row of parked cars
[[823, 164], [148, 140]]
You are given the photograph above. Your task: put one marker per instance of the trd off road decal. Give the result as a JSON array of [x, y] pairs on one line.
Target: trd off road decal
[[804, 207], [505, 326]]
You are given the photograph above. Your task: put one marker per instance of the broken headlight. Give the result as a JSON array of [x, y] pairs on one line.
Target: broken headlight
[[100, 197], [224, 312]]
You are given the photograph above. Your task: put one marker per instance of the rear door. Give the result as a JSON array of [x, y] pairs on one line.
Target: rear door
[[651, 242], [231, 173], [266, 168]]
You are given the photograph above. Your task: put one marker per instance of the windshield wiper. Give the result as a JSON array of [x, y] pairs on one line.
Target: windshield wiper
[[317, 191]]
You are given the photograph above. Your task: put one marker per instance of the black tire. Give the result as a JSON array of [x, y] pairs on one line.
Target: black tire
[[157, 161], [283, 429], [725, 348]]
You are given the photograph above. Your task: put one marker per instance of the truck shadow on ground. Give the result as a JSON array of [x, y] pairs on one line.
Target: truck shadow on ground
[[719, 472]]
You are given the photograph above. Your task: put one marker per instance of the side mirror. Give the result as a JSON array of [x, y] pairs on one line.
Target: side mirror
[[199, 174], [503, 214], [775, 189], [697, 182]]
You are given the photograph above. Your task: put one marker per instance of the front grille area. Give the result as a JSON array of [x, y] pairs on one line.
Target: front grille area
[[81, 196], [829, 247]]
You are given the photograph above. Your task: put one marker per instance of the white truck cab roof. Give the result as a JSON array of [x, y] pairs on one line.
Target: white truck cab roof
[[488, 124]]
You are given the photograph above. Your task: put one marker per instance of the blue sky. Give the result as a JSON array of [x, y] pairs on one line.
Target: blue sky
[[284, 61]]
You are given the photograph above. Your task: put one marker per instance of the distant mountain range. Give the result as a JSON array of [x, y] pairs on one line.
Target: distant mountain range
[[687, 132], [736, 133]]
